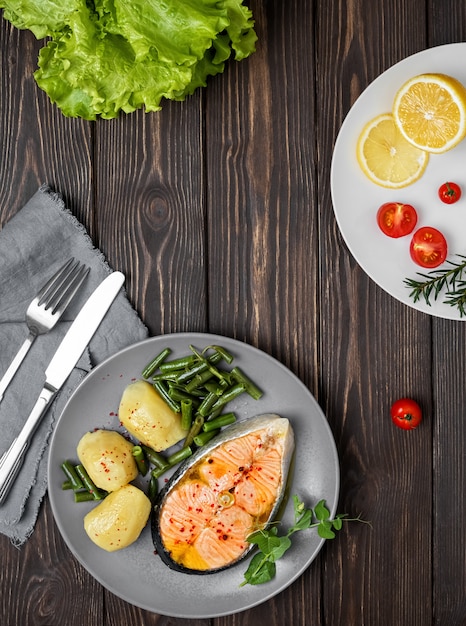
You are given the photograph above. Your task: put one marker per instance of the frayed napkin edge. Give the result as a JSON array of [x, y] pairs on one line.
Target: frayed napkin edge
[[58, 200]]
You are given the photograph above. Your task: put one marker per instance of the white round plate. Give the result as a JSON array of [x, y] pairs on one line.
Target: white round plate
[[136, 574], [356, 199]]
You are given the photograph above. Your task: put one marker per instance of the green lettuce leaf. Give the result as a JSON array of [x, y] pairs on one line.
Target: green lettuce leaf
[[43, 17], [108, 56]]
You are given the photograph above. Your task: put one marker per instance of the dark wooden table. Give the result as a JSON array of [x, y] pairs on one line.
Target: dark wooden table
[[218, 210]]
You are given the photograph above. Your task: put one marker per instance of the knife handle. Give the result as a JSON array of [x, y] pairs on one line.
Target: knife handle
[[12, 459], [13, 470]]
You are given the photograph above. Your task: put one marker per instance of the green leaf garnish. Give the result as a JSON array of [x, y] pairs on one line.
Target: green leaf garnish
[[273, 546]]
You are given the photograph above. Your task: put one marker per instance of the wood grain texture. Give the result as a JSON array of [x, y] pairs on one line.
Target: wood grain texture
[[150, 208], [218, 211]]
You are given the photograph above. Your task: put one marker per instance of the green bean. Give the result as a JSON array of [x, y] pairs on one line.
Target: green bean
[[195, 429], [202, 438], [186, 414], [153, 488], [161, 388], [251, 388], [229, 395], [173, 459], [226, 356], [207, 404], [219, 422], [198, 368], [177, 364], [198, 380], [167, 377], [180, 455], [177, 393], [154, 457], [153, 366], [215, 371], [88, 483], [216, 388], [66, 484], [139, 457], [70, 472], [83, 496], [159, 471]]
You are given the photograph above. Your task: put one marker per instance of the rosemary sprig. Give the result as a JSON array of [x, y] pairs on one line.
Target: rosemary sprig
[[434, 282]]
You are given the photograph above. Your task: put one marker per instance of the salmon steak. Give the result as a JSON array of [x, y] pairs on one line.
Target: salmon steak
[[225, 491]]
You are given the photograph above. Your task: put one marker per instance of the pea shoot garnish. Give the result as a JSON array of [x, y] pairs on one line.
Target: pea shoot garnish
[[433, 283], [273, 546]]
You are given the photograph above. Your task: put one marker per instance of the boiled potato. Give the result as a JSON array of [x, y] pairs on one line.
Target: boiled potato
[[108, 459], [118, 520], [146, 415]]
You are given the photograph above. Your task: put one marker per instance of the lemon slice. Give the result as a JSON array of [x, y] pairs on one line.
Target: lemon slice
[[430, 111], [386, 157]]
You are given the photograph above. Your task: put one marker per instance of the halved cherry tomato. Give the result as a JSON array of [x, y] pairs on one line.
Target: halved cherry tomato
[[406, 413], [396, 219], [449, 193], [428, 247]]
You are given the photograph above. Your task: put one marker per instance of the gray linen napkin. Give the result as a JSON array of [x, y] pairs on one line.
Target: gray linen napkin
[[34, 244]]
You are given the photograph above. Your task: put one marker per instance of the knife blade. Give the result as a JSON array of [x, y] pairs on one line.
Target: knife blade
[[60, 367]]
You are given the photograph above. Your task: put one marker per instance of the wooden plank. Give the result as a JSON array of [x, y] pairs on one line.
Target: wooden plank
[[263, 223], [446, 21], [449, 475], [150, 211], [39, 144], [447, 24], [262, 226], [370, 344]]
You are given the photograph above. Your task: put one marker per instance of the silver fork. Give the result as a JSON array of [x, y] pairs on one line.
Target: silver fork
[[46, 309]]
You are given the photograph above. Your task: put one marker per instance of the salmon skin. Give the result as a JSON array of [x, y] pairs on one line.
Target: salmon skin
[[226, 490]]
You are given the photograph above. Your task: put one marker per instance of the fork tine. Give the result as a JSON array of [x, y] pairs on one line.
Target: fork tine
[[75, 283], [51, 285], [64, 279]]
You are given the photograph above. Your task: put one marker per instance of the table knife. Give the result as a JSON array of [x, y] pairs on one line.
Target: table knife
[[60, 367]]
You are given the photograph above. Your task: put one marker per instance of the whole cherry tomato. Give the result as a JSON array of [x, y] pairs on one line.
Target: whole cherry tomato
[[406, 413], [428, 247], [396, 219], [449, 193]]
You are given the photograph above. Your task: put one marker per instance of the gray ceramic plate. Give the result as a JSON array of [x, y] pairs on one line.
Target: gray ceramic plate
[[136, 574]]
